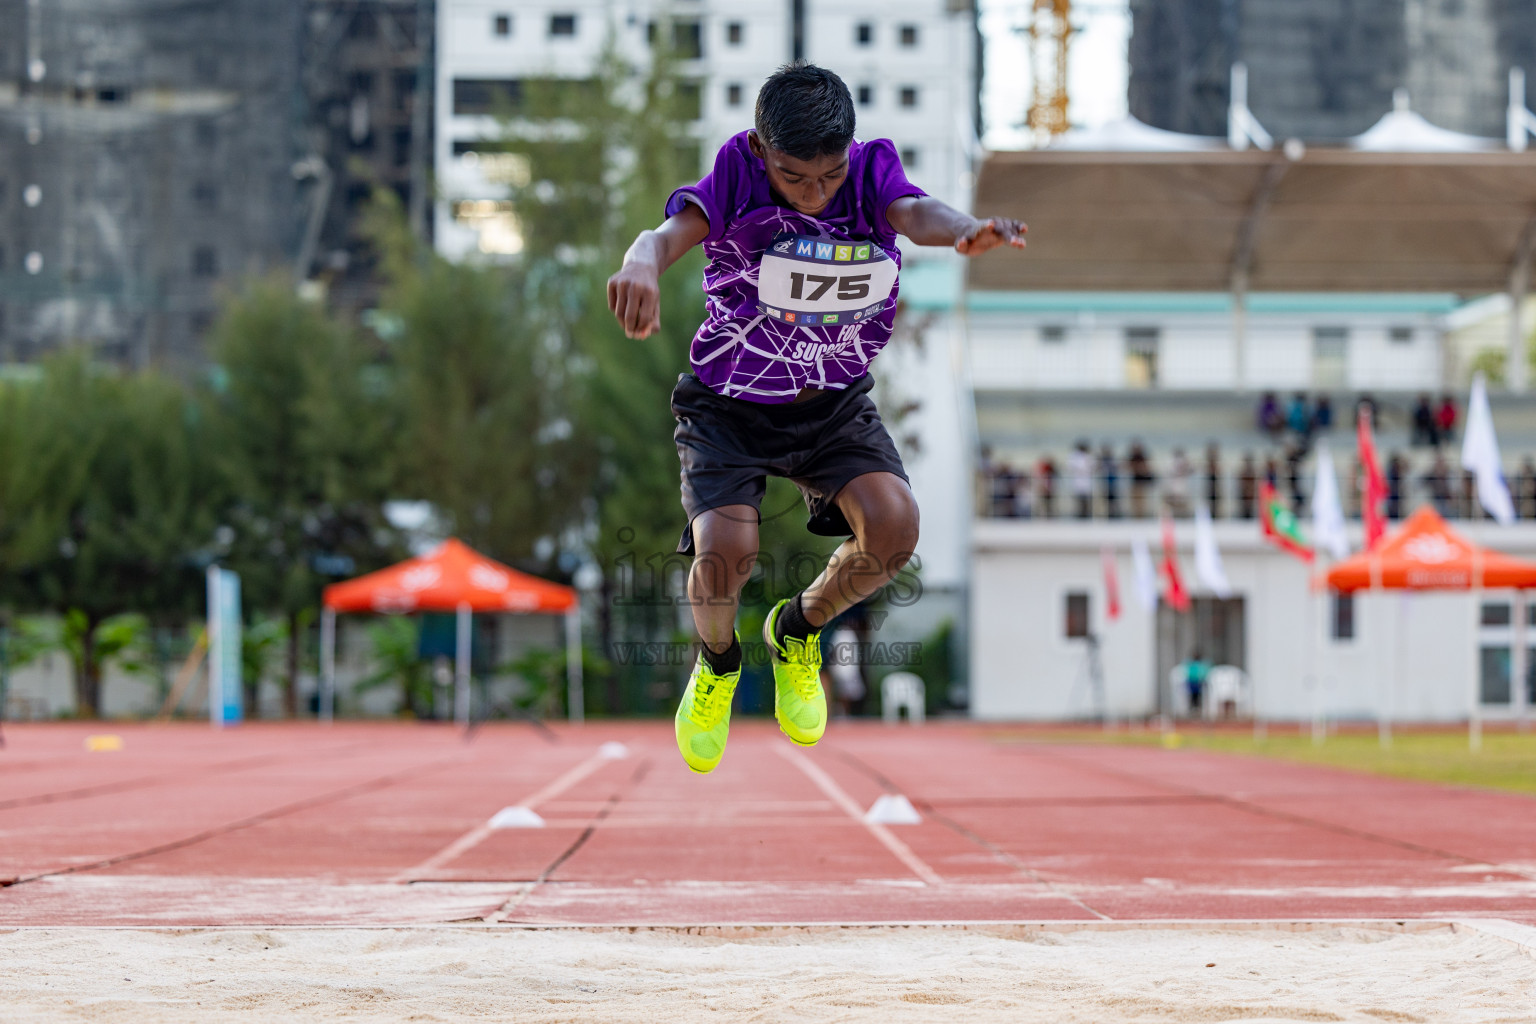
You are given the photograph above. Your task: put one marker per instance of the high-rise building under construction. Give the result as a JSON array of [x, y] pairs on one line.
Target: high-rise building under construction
[[1327, 69], [146, 154]]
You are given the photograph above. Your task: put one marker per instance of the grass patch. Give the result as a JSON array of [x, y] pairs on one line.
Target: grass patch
[[1507, 760]]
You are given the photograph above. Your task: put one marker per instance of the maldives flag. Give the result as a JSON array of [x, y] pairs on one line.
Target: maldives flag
[[1373, 486], [1111, 584], [1280, 525], [1177, 596]]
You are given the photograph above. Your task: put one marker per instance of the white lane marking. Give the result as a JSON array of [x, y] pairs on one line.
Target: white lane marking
[[835, 792], [477, 835]]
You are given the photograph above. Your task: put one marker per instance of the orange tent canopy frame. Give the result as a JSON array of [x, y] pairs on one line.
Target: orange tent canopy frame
[[446, 578], [1426, 554]]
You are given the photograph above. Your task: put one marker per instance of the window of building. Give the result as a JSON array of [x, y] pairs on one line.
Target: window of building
[[865, 95], [734, 33], [1341, 620], [485, 95], [909, 157], [1076, 619], [733, 94], [1330, 357], [1493, 673], [1141, 345], [562, 24], [1496, 613], [1401, 335], [402, 140], [909, 96], [864, 33], [690, 101], [363, 26], [908, 35], [688, 39], [206, 133], [1053, 334], [206, 195], [501, 25], [205, 261]]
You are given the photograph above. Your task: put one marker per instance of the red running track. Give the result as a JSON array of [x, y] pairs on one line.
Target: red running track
[[387, 824]]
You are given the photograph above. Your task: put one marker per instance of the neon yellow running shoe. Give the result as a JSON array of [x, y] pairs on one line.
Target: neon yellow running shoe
[[704, 716], [799, 703]]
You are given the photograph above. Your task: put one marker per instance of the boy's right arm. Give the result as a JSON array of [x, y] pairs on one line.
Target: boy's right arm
[[634, 294]]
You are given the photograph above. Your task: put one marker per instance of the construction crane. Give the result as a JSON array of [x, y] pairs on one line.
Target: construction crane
[[1050, 33]]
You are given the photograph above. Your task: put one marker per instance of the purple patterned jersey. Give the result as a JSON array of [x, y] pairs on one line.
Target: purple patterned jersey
[[793, 300]]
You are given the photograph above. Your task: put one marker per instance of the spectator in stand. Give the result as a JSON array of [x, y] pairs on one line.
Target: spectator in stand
[[1397, 469], [1426, 434], [1437, 481], [1142, 478], [1322, 415], [1023, 495], [1247, 486], [987, 471], [1268, 419], [1213, 479], [1466, 504], [1293, 456], [1525, 489], [1047, 472], [1445, 418], [1180, 485], [1272, 473], [1109, 473], [1368, 404], [1004, 482], [1080, 479], [1298, 418]]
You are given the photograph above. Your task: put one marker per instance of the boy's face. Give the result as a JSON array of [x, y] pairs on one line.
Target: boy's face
[[807, 186]]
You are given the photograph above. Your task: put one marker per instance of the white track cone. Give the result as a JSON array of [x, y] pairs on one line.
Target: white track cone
[[613, 751], [516, 817], [893, 809]]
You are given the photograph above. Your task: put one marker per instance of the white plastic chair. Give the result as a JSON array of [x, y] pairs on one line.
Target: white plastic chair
[[902, 690], [1226, 685]]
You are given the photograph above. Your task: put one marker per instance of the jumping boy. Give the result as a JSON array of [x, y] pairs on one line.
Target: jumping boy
[[799, 221]]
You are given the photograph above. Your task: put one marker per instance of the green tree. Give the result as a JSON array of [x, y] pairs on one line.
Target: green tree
[[104, 502], [488, 433], [303, 434]]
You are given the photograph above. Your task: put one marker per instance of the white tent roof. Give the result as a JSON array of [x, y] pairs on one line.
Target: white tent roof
[[1130, 135], [1403, 131]]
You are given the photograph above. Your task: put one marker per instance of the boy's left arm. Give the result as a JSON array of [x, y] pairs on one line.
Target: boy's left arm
[[927, 221]]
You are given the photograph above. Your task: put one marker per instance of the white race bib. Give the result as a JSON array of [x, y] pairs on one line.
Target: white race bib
[[818, 282]]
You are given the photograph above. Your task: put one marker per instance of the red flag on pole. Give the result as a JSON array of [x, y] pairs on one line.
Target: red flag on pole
[[1111, 585], [1373, 486], [1177, 596]]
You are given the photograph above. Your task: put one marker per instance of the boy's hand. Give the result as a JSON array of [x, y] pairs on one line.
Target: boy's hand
[[634, 296], [991, 233]]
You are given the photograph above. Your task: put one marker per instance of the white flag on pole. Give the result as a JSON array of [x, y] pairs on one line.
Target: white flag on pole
[[1328, 531], [1208, 568], [1480, 454], [1146, 575]]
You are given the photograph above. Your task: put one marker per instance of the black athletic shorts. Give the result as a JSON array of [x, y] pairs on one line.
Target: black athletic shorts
[[729, 447]]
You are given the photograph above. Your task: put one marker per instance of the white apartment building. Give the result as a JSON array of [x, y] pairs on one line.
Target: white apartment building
[[910, 64]]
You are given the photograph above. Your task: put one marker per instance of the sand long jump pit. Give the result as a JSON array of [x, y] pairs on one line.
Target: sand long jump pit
[[1480, 971]]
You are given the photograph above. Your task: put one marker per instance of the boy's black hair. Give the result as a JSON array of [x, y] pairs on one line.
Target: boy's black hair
[[805, 111]]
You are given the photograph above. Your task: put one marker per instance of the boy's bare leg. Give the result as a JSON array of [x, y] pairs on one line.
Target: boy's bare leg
[[884, 517], [725, 548]]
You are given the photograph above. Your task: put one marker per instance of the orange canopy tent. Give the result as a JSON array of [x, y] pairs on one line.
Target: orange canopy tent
[[453, 577], [1426, 554]]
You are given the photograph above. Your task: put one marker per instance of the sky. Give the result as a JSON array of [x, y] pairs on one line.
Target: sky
[[1096, 68]]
